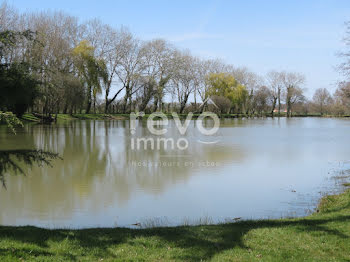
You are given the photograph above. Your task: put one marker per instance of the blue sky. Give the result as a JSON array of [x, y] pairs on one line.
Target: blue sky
[[302, 36]]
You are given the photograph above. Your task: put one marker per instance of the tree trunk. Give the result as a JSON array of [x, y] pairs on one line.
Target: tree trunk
[[65, 108], [125, 103], [110, 101], [155, 103], [273, 105], [183, 103], [182, 108], [88, 107], [289, 108], [279, 101], [195, 99]]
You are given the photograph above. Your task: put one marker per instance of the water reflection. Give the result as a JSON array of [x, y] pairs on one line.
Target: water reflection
[[15, 161], [102, 181]]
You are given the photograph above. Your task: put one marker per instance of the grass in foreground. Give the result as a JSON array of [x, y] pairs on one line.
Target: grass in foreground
[[323, 236]]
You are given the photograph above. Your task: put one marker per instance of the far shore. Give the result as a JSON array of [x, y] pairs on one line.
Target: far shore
[[101, 116]]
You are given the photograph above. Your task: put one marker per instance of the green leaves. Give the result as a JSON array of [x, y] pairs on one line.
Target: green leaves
[[10, 38], [18, 88], [11, 159], [10, 119], [92, 70], [225, 85]]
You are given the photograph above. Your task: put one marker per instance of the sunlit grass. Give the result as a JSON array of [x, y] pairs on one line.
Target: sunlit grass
[[322, 236]]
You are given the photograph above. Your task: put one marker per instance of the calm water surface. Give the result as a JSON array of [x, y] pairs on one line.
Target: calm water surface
[[258, 168]]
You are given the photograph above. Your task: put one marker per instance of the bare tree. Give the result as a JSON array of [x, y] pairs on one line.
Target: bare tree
[[261, 99], [322, 99], [111, 45], [158, 59], [204, 69], [342, 98], [8, 17], [293, 91], [50, 56], [275, 83], [223, 103], [183, 78], [130, 66], [145, 93], [251, 81], [345, 66], [142, 72]]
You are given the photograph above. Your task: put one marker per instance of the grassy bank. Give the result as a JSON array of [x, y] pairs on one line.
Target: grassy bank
[[66, 117], [323, 236]]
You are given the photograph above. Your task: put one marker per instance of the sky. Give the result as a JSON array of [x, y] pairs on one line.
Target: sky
[[301, 36]]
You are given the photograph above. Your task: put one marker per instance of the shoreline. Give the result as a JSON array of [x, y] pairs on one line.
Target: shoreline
[[28, 117], [321, 236]]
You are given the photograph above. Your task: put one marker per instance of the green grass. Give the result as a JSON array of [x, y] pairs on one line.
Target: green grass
[[29, 117], [100, 116], [323, 236], [68, 117]]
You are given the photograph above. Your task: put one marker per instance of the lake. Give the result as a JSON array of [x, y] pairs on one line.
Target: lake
[[251, 168]]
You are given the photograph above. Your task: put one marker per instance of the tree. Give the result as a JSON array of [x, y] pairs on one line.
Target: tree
[[50, 55], [20, 87], [293, 92], [66, 65], [275, 83], [251, 81], [261, 97], [342, 98], [10, 119], [183, 81], [111, 45], [148, 89], [73, 93], [91, 70], [8, 17], [322, 99], [345, 66], [342, 94], [223, 103], [225, 85], [158, 58], [204, 69], [130, 67]]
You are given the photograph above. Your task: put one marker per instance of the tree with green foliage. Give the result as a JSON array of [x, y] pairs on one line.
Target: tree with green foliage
[[18, 87], [74, 62], [91, 70], [225, 85], [10, 120]]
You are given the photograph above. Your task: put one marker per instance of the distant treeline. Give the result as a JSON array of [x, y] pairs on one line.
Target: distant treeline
[[51, 63]]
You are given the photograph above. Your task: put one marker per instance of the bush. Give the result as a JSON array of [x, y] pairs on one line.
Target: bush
[[18, 89]]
